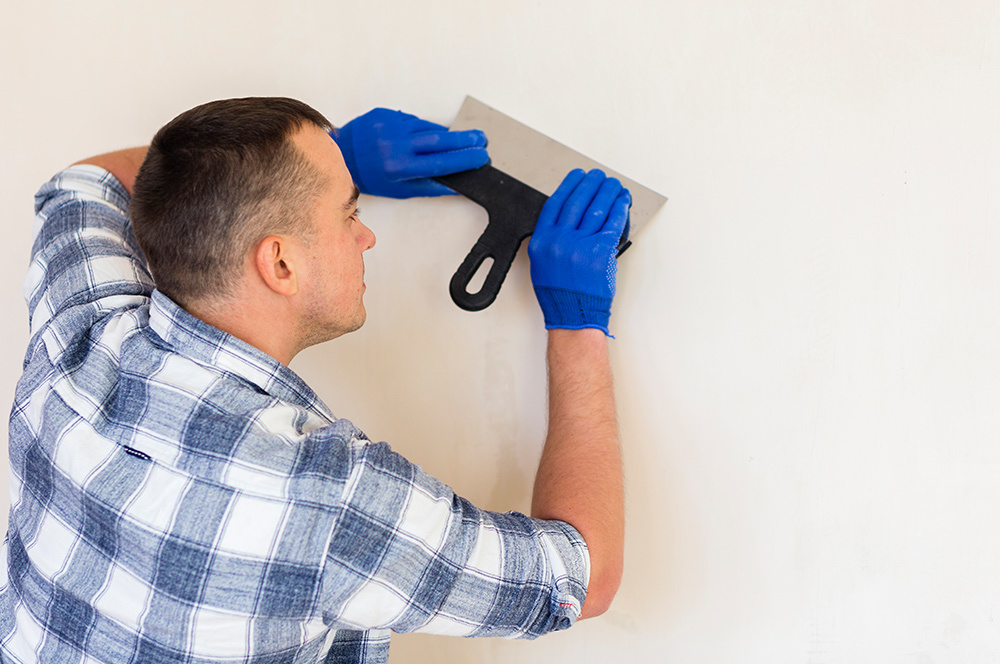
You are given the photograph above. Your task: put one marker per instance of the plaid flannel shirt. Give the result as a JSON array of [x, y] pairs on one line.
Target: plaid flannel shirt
[[179, 496]]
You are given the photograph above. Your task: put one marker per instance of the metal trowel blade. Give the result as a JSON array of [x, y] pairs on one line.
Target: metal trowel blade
[[541, 162]]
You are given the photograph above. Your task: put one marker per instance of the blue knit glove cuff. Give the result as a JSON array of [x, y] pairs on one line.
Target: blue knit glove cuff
[[573, 310]]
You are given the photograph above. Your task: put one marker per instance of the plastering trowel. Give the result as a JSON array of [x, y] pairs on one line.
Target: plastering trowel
[[526, 166]]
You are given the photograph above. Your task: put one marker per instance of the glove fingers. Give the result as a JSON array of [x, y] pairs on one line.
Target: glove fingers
[[553, 206], [618, 218], [581, 198], [446, 141], [597, 212], [438, 163], [415, 124]]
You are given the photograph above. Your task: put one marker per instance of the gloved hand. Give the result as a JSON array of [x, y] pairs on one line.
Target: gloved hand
[[395, 154], [573, 248]]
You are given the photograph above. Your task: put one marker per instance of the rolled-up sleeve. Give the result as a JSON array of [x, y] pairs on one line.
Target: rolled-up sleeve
[[83, 247], [409, 555]]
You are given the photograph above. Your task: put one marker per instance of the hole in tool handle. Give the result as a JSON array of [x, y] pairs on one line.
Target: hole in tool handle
[[479, 276]]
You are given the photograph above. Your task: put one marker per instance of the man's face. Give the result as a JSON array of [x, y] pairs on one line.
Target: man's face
[[333, 281]]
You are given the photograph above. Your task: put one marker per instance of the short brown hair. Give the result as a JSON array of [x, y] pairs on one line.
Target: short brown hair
[[216, 180]]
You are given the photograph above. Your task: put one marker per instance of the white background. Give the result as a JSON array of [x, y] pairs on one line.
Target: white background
[[807, 361]]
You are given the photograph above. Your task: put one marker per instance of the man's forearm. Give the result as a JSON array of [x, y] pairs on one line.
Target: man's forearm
[[579, 478], [123, 164]]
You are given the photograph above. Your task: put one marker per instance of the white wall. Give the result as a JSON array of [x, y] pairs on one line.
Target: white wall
[[807, 358]]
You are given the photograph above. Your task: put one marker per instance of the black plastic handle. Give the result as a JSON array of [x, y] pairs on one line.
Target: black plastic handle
[[513, 208], [485, 247]]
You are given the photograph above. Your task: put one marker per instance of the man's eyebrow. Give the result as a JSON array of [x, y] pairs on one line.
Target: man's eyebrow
[[352, 200]]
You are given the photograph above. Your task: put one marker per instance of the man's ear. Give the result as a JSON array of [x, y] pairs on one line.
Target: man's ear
[[275, 260]]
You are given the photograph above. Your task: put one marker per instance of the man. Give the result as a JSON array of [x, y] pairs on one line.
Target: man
[[180, 495]]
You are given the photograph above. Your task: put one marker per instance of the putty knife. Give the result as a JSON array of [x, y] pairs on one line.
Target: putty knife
[[526, 167]]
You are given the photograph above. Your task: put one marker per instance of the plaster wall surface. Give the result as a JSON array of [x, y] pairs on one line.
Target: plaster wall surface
[[807, 357]]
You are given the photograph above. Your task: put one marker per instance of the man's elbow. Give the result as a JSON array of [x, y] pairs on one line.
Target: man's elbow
[[601, 591]]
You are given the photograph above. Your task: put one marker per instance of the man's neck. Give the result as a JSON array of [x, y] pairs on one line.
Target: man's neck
[[263, 325]]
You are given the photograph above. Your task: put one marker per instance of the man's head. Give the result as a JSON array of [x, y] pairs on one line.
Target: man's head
[[248, 217], [218, 179]]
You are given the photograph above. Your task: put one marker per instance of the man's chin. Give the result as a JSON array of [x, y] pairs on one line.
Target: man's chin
[[333, 332], [357, 323]]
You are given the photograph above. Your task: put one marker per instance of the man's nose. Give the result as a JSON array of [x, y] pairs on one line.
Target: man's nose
[[368, 238]]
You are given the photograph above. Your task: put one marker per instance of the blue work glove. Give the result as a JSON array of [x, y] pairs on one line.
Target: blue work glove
[[573, 250], [395, 154]]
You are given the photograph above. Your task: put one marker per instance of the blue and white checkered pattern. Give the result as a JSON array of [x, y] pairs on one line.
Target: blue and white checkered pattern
[[179, 496]]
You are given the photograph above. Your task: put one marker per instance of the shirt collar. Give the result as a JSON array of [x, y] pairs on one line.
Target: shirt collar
[[195, 339]]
